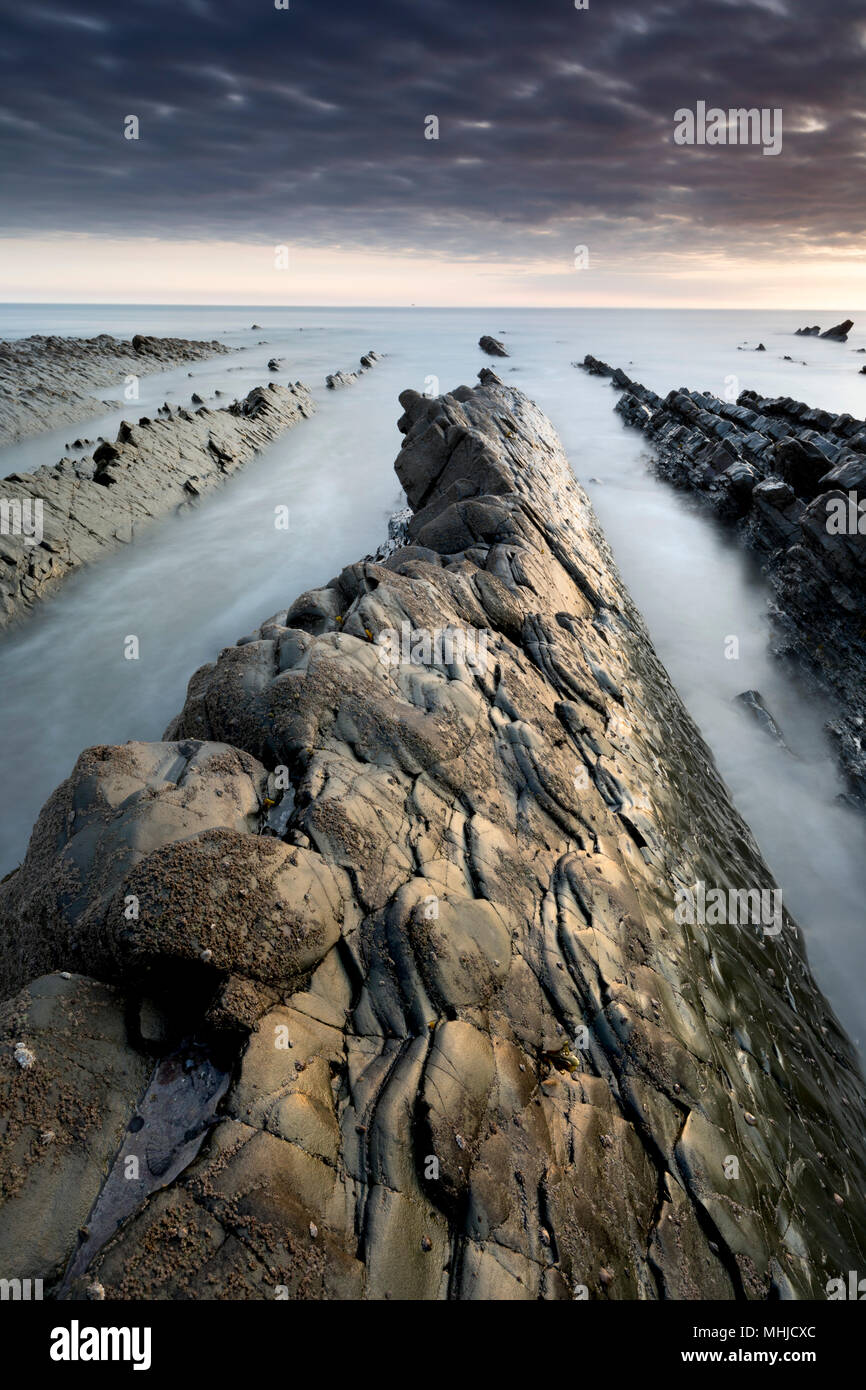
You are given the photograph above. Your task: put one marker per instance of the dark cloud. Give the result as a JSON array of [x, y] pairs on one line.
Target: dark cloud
[[307, 125]]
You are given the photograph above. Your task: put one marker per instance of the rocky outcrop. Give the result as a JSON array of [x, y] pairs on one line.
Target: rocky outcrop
[[67, 515], [839, 333], [337, 379], [51, 381], [492, 346], [421, 900], [791, 479], [753, 701]]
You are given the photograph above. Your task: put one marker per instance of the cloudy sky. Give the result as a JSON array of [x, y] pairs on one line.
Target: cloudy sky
[[261, 127]]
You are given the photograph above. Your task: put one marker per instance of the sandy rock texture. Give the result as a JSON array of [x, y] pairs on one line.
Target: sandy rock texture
[[421, 902], [92, 506], [49, 381]]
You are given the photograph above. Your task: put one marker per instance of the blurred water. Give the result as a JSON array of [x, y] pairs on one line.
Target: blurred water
[[196, 583]]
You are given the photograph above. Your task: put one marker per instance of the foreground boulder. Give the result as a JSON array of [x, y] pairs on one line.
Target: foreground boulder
[[408, 866]]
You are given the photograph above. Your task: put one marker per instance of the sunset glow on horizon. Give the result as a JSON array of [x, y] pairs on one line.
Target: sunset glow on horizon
[[82, 269]]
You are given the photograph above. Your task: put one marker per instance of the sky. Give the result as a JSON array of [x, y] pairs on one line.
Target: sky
[[555, 177]]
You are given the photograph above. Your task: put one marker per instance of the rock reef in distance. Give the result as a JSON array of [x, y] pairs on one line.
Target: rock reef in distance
[[791, 479], [492, 346], [70, 513], [837, 334], [337, 379], [420, 903], [50, 381]]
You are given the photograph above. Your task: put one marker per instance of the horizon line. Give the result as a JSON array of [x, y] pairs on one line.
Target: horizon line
[[442, 308]]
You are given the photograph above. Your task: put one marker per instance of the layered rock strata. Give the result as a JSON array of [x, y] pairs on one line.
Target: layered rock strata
[[50, 381], [791, 479], [420, 901], [69, 514]]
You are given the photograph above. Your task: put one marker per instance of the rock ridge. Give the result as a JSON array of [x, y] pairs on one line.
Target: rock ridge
[[68, 514], [791, 479], [424, 897], [49, 381]]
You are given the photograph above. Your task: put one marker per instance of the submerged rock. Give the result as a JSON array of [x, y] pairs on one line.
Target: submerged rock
[[839, 333], [753, 701], [477, 1050], [337, 379], [492, 346]]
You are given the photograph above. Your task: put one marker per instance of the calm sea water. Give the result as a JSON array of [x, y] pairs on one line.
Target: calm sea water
[[197, 583]]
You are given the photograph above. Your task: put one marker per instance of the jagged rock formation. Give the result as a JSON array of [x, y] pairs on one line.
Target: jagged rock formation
[[839, 333], [92, 506], [425, 899], [492, 346], [753, 701], [337, 379], [50, 381], [791, 478]]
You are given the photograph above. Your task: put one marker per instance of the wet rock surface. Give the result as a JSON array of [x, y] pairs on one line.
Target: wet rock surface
[[753, 702], [492, 346], [424, 900], [71, 513], [49, 381], [839, 332], [791, 479]]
